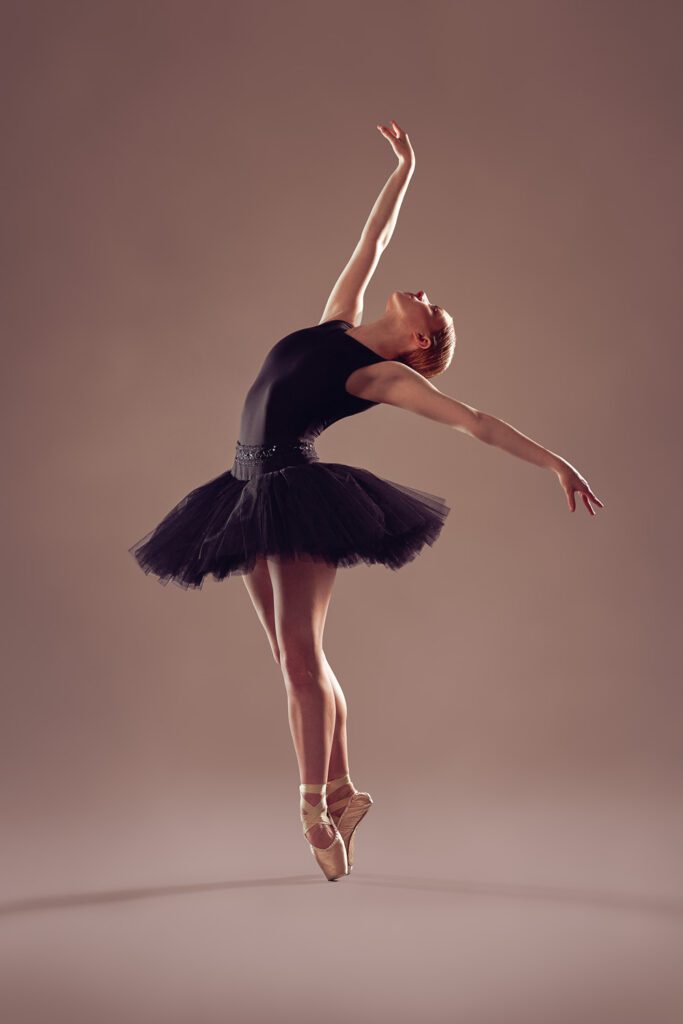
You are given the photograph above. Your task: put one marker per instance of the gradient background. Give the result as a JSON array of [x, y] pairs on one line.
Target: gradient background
[[183, 183]]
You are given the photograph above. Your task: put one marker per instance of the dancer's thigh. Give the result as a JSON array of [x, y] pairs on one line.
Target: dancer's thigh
[[260, 590], [302, 589]]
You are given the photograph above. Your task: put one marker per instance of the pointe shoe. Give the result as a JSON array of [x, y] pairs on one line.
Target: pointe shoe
[[355, 807], [331, 859]]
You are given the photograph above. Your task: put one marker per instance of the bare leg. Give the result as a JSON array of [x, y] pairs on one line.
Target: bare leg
[[339, 757], [302, 589], [260, 589]]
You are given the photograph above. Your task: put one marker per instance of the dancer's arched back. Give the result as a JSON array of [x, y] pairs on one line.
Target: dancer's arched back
[[286, 521]]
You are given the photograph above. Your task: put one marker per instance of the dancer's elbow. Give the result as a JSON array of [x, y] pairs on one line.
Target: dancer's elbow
[[401, 386]]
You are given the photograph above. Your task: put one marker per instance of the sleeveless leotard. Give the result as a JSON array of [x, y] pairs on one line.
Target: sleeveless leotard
[[300, 389], [279, 498]]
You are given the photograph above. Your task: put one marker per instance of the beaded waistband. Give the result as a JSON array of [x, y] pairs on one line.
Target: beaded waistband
[[255, 459], [259, 452]]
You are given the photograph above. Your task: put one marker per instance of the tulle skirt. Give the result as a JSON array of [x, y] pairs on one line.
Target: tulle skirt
[[281, 499]]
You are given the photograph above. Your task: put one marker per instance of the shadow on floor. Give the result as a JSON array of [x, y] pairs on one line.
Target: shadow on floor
[[629, 902]]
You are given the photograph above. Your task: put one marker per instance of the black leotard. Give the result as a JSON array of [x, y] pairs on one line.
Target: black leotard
[[279, 499], [300, 389]]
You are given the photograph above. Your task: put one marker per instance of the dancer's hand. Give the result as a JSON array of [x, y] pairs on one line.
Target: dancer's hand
[[400, 143], [571, 481]]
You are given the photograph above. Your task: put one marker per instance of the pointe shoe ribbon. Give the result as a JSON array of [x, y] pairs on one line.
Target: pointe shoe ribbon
[[356, 806], [331, 859]]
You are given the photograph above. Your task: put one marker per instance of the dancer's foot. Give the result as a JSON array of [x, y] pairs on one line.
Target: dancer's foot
[[319, 835], [339, 791], [347, 808], [341, 800], [318, 827]]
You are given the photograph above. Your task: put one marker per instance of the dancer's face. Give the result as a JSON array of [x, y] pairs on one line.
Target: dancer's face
[[417, 312]]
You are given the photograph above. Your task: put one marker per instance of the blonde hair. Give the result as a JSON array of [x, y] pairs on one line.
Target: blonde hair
[[432, 361]]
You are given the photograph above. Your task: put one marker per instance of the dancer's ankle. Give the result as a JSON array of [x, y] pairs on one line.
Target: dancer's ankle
[[321, 833], [340, 792]]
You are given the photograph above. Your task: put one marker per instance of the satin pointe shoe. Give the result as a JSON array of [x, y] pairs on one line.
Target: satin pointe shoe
[[353, 809], [332, 860]]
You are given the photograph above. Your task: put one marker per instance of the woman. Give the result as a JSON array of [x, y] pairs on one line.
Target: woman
[[285, 521]]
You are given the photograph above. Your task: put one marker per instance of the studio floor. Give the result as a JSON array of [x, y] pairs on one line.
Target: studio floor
[[488, 915]]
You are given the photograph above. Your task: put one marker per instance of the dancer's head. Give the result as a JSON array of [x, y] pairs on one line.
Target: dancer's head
[[428, 331]]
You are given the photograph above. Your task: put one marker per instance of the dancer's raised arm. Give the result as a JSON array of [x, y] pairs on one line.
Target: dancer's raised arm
[[346, 298], [394, 383]]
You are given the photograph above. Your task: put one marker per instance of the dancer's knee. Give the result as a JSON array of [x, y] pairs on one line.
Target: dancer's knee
[[301, 661]]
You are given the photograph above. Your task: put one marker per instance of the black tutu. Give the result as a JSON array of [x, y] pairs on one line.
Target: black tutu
[[289, 505]]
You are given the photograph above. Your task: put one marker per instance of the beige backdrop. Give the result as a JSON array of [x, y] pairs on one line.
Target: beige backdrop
[[184, 183]]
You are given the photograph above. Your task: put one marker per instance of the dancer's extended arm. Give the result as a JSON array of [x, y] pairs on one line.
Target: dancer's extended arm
[[346, 298], [394, 383]]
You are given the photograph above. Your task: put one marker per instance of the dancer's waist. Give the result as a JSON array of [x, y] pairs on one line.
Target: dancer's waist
[[252, 459]]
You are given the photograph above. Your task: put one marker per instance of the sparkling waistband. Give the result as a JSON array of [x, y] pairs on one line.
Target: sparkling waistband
[[255, 459], [259, 452]]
